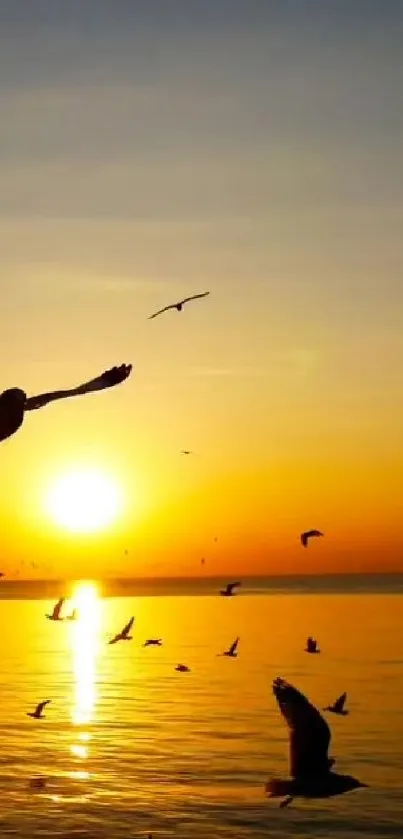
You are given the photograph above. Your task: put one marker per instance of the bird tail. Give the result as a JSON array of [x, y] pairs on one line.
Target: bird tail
[[278, 788]]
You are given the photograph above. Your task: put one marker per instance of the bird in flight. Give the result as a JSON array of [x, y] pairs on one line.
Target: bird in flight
[[338, 706], [179, 306], [153, 642], [232, 650], [124, 635], [308, 534], [312, 646], [37, 714], [55, 615], [14, 402], [186, 451], [310, 766], [182, 668], [230, 589]]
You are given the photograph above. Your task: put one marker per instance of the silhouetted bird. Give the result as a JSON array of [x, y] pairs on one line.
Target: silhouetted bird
[[73, 616], [1, 574], [338, 706], [153, 642], [308, 535], [202, 561], [37, 783], [14, 402], [55, 615], [232, 650], [229, 590], [37, 714], [124, 634], [312, 646], [186, 451], [182, 668], [179, 306], [310, 766]]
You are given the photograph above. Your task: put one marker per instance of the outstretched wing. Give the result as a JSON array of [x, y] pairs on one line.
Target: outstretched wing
[[109, 378], [41, 706], [233, 647], [309, 732], [115, 639], [232, 586], [340, 702], [160, 311], [195, 297], [304, 539], [126, 629], [58, 608]]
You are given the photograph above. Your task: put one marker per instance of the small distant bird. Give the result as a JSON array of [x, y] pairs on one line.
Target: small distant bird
[[124, 634], [186, 451], [182, 668], [229, 590], [55, 615], [202, 561], [232, 650], [338, 706], [310, 766], [37, 714], [37, 783], [153, 642], [179, 306], [308, 535], [312, 646], [73, 616], [1, 574]]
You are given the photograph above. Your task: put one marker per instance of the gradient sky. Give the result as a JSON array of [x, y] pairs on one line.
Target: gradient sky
[[151, 150]]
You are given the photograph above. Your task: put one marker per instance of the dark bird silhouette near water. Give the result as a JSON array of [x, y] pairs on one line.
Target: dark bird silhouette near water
[[186, 451], [153, 642], [14, 402], [312, 646], [230, 589], [55, 615], [232, 650], [179, 306], [124, 635], [310, 766], [37, 714], [338, 706], [182, 668], [309, 534]]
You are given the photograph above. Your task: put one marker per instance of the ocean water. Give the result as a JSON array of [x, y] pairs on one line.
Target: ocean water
[[129, 747]]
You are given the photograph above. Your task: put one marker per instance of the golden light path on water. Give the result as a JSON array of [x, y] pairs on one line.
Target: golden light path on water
[[85, 641]]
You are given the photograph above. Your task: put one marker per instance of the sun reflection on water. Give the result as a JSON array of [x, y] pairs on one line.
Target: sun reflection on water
[[85, 646]]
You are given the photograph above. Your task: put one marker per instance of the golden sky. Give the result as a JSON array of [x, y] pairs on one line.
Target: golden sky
[[244, 148]]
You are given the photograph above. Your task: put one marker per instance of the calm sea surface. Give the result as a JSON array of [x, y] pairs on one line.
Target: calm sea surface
[[130, 747]]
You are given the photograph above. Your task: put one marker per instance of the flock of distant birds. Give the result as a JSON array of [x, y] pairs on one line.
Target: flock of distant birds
[[310, 766]]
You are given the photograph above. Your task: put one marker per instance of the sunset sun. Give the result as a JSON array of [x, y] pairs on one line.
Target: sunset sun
[[84, 500]]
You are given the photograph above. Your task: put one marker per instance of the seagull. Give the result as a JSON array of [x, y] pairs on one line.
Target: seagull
[[232, 650], [153, 642], [14, 402], [37, 714], [124, 634], [182, 668], [229, 590], [186, 451], [55, 616], [179, 306], [310, 766], [338, 706], [73, 616], [311, 646], [308, 535]]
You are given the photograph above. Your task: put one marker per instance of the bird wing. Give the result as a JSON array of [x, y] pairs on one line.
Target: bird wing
[[58, 608], [160, 311], [231, 586], [195, 297], [233, 647], [339, 704], [309, 732], [40, 707], [126, 629], [115, 639], [304, 539]]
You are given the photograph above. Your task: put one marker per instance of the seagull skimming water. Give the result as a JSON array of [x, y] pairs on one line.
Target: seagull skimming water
[[308, 535], [310, 766], [37, 714], [153, 642], [232, 650], [338, 706], [124, 635], [229, 590], [55, 615]]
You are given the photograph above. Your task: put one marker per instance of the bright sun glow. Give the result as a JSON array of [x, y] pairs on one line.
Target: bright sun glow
[[84, 501]]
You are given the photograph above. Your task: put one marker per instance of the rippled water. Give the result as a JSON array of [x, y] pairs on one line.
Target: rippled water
[[130, 747]]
